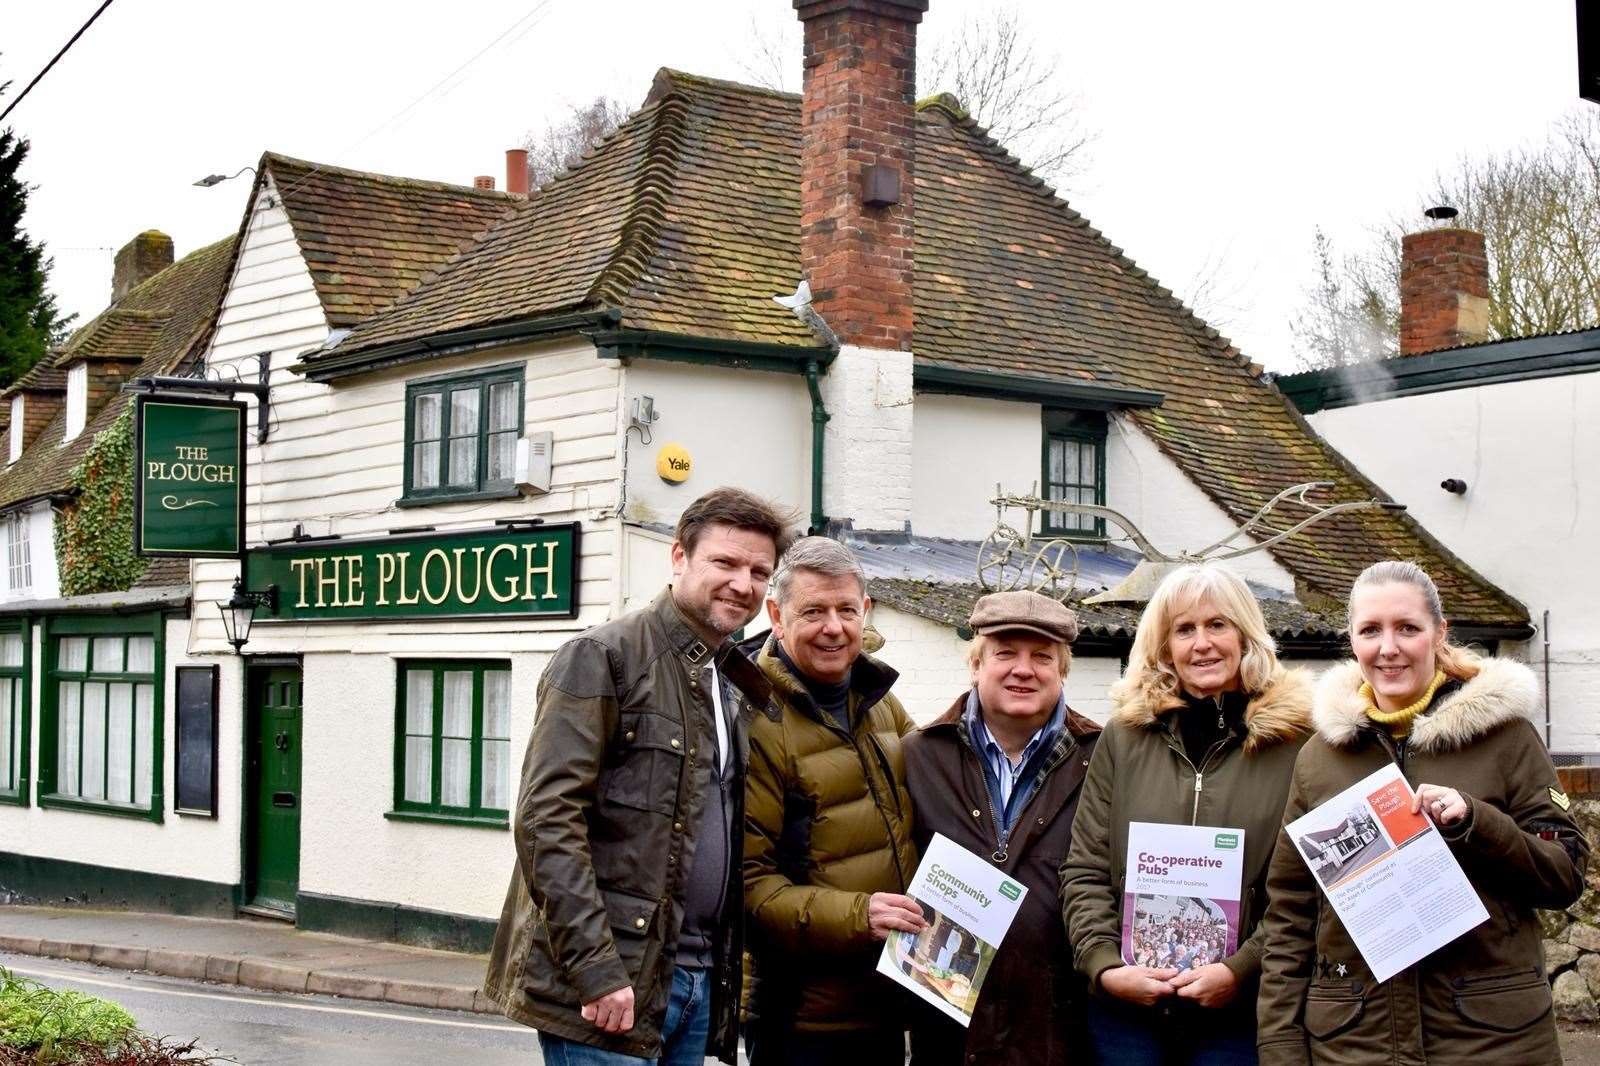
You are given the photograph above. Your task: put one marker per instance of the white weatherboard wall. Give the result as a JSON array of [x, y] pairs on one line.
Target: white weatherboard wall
[[746, 428], [1529, 521], [1172, 511], [204, 849], [961, 448]]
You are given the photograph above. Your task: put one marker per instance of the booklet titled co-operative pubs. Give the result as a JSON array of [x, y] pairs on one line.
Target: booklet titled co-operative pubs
[[969, 905], [1387, 872], [1181, 904]]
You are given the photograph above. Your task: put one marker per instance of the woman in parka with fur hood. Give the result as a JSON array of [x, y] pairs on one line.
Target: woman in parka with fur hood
[[1458, 727], [1204, 730]]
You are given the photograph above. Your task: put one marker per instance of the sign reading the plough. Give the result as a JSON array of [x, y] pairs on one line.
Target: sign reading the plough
[[188, 486], [518, 571]]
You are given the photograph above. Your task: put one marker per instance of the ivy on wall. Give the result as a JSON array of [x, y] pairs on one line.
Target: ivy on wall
[[94, 537]]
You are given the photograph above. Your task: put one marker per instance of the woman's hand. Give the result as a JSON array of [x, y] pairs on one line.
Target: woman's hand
[[1210, 986], [1444, 805], [1143, 985]]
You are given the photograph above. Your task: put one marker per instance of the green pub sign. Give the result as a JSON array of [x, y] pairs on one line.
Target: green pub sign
[[530, 570], [188, 487]]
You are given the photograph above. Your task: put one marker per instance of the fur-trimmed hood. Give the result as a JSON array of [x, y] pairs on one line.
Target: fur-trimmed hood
[[1280, 712], [1502, 691]]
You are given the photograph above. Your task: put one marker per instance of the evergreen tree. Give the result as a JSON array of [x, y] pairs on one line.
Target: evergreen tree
[[29, 320]]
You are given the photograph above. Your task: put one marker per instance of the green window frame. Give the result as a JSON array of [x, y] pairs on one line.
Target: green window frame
[[103, 720], [16, 710], [1074, 470], [461, 434], [452, 741]]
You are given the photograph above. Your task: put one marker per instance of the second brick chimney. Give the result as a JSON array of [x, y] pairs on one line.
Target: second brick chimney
[[1444, 287], [140, 259]]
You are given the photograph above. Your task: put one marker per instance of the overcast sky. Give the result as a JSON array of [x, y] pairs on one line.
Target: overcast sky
[[1225, 131]]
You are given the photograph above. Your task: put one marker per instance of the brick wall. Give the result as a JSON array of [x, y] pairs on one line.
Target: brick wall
[[38, 408], [1444, 290], [858, 111]]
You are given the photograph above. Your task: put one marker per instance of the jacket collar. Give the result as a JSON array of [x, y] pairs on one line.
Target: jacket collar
[[870, 681], [695, 652], [1502, 691], [1279, 713]]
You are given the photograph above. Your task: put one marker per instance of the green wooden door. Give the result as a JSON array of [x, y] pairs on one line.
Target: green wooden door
[[272, 835]]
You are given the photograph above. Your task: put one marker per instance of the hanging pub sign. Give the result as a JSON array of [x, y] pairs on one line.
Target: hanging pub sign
[[188, 485], [531, 570]]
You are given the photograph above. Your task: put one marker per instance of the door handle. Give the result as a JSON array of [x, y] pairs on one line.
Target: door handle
[[283, 799], [281, 741]]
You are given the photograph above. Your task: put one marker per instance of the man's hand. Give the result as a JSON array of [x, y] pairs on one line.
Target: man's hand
[[1209, 986], [1143, 985], [612, 1012], [887, 911]]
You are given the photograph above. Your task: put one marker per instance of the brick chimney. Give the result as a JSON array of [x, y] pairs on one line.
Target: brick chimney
[[517, 171], [857, 158], [140, 259], [1444, 287]]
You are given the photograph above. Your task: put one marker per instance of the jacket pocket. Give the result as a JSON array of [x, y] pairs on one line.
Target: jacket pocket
[[633, 931], [1503, 1003], [1330, 1012], [649, 766]]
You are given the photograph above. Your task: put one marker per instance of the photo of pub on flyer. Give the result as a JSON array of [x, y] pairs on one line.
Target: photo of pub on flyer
[[1344, 841]]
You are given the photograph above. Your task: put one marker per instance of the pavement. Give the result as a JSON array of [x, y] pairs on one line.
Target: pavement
[[253, 953]]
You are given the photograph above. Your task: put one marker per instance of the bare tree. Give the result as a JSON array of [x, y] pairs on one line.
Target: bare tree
[[561, 142], [1539, 212], [1007, 86]]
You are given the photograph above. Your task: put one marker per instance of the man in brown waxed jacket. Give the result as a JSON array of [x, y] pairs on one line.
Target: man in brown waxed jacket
[[621, 937]]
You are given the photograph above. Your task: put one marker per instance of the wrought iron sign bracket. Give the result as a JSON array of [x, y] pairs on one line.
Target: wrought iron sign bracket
[[260, 389]]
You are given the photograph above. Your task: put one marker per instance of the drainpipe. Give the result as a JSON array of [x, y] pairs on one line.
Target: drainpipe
[[819, 419], [1546, 631]]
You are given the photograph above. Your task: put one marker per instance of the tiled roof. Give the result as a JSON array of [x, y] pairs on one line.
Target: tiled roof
[[183, 299], [45, 376], [367, 238], [686, 221], [164, 573]]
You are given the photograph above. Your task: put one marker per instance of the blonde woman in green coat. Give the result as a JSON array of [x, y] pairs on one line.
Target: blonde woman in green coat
[[1458, 726], [1204, 730]]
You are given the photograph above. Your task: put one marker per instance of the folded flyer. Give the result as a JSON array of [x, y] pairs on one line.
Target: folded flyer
[[1180, 907], [1387, 872], [969, 904]]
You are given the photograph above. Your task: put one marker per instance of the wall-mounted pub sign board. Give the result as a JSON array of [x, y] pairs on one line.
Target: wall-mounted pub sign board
[[188, 484], [483, 573]]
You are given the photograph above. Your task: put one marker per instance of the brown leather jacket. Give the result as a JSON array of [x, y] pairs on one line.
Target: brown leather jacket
[[613, 786], [1485, 996], [1029, 1010]]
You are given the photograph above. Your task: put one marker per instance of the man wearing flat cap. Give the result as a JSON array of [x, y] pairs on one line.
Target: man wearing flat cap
[[998, 773]]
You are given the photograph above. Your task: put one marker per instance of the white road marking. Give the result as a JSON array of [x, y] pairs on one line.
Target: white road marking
[[286, 1004]]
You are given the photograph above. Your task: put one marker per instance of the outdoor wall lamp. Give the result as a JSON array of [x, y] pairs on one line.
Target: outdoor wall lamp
[[239, 613]]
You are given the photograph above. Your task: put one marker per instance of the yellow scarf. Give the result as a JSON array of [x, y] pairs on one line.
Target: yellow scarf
[[1399, 722]]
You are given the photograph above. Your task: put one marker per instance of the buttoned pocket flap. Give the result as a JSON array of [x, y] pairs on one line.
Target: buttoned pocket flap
[[1505, 1010], [628, 913], [1331, 1015]]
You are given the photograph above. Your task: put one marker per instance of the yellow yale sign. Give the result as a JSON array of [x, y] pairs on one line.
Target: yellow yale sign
[[673, 463]]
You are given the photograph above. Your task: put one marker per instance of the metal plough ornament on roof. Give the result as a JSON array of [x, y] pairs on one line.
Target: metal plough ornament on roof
[[1008, 559]]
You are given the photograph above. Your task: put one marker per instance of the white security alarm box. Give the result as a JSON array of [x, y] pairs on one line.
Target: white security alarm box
[[533, 461]]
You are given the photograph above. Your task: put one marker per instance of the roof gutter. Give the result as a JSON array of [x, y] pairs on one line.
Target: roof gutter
[[332, 365], [961, 381]]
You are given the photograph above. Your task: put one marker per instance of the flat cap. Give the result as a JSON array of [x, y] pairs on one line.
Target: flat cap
[[1003, 611]]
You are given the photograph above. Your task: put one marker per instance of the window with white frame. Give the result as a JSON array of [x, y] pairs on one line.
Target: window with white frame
[[100, 719], [453, 740], [77, 400], [13, 714], [17, 405], [19, 563]]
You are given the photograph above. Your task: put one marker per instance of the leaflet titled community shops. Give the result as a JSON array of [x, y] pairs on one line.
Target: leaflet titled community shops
[[969, 905], [1181, 904], [1387, 872]]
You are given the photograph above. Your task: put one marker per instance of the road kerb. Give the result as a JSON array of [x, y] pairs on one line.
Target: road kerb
[[348, 985]]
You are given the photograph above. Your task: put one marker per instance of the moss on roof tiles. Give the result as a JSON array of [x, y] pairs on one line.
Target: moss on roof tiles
[[687, 220]]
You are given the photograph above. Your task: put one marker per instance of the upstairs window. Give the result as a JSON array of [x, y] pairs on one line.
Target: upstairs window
[[461, 435], [19, 566], [77, 400], [1074, 470], [17, 411]]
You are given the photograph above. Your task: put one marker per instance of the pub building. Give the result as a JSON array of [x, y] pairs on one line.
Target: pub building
[[484, 410]]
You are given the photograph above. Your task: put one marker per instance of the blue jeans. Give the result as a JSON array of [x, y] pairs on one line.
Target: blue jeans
[[683, 1032], [1123, 1034]]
